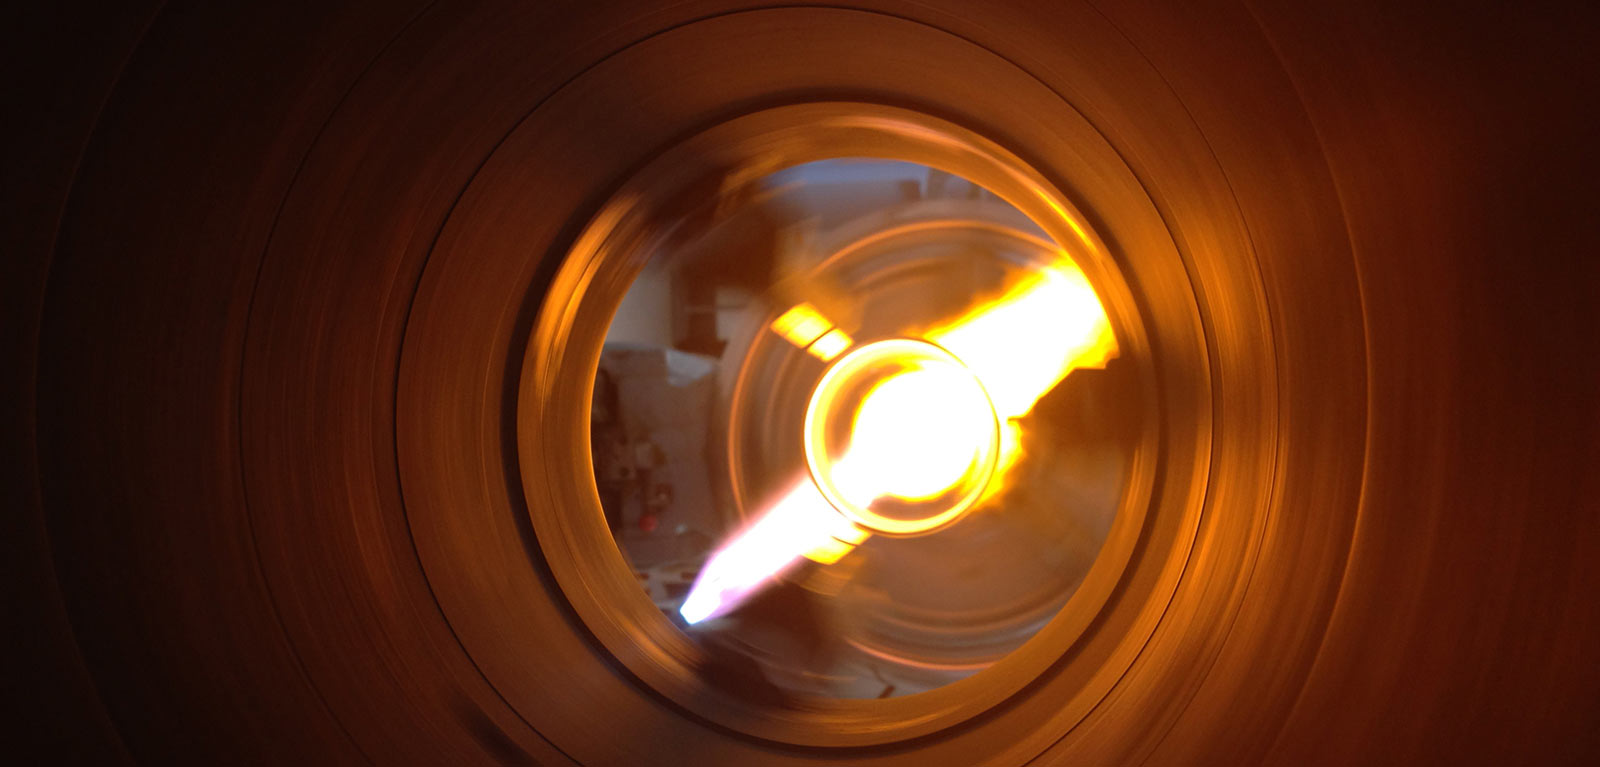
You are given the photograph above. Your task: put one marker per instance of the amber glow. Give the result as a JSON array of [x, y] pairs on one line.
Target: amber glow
[[898, 449], [1023, 343], [830, 345], [807, 328], [921, 431], [915, 434], [801, 325]]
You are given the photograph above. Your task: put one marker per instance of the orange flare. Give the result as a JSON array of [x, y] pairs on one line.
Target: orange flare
[[1019, 346]]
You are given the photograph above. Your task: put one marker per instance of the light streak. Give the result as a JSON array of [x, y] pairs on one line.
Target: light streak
[[801, 325], [800, 522], [830, 345], [807, 328], [914, 432], [1023, 343]]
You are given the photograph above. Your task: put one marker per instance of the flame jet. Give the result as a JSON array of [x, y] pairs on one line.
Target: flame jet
[[908, 442]]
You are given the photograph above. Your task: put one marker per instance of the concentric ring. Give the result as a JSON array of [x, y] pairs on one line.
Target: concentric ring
[[836, 403]]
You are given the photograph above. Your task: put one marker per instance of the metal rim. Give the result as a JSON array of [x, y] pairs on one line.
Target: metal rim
[[1192, 266], [564, 350]]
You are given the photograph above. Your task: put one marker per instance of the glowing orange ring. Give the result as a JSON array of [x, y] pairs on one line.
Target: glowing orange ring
[[844, 372]]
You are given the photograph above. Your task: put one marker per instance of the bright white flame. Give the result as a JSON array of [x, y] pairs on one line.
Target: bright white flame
[[915, 435], [801, 521], [1019, 346], [1022, 344]]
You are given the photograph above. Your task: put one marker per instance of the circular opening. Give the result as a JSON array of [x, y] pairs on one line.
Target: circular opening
[[816, 361], [703, 307], [901, 437]]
